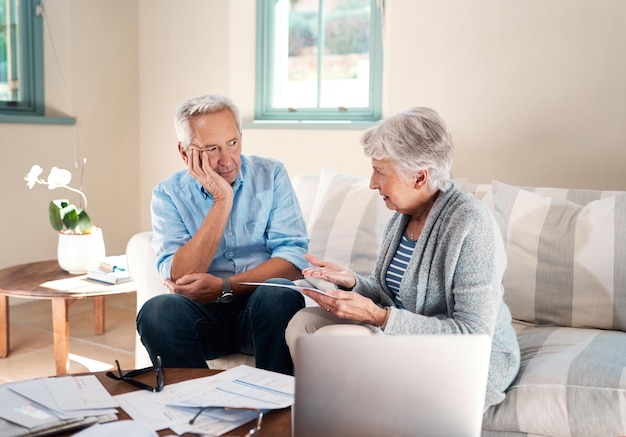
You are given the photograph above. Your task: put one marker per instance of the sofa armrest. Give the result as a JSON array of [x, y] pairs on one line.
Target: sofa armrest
[[141, 262]]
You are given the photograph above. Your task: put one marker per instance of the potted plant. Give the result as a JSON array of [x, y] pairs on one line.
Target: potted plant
[[81, 245]]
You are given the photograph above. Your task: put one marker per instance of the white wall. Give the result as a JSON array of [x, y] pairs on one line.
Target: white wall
[[94, 80], [532, 90], [183, 52]]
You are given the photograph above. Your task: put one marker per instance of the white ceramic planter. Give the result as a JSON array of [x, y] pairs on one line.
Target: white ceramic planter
[[76, 253]]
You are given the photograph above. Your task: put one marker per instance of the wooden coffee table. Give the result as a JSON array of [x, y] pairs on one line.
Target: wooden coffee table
[[276, 423], [46, 280]]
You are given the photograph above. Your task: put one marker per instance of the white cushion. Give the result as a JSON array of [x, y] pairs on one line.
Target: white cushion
[[571, 383], [566, 261], [482, 192], [305, 187], [347, 221]]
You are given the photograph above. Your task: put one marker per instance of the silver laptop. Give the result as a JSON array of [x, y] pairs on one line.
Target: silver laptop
[[386, 385]]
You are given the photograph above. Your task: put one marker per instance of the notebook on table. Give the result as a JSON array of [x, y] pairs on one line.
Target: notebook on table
[[384, 385]]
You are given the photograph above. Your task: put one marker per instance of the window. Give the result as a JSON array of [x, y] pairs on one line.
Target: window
[[319, 60], [21, 58]]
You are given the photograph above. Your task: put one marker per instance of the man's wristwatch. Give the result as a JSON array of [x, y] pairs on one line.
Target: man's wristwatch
[[227, 293]]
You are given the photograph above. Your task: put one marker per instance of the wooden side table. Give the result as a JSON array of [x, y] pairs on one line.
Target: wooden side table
[[46, 280]]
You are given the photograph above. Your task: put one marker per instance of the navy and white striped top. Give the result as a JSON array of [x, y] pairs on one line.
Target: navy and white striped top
[[398, 266]]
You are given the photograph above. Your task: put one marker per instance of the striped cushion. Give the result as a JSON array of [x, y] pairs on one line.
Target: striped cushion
[[341, 202], [488, 433], [482, 192], [572, 382], [478, 190], [566, 261]]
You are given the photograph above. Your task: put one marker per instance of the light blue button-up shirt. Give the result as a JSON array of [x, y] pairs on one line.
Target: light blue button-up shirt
[[265, 221]]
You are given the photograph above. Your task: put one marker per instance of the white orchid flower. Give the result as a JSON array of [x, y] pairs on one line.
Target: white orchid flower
[[58, 177], [64, 216], [32, 177]]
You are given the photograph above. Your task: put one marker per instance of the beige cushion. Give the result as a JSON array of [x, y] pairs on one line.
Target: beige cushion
[[571, 383], [566, 261], [347, 221]]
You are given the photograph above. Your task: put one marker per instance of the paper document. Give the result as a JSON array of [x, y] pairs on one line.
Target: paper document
[[215, 421], [245, 387], [80, 393], [74, 284], [22, 411], [243, 390], [293, 287], [69, 396], [37, 406]]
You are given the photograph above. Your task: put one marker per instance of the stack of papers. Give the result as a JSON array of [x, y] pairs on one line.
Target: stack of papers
[[113, 262], [230, 398], [116, 276], [46, 405], [111, 269]]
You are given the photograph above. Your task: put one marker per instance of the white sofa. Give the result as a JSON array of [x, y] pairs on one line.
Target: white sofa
[[565, 285]]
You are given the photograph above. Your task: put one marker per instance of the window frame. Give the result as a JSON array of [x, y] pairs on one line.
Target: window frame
[[31, 61], [264, 111]]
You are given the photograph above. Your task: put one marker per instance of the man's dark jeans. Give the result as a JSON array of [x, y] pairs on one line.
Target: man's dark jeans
[[186, 334]]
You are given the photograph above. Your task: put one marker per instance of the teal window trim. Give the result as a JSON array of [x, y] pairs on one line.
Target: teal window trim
[[36, 119], [264, 77], [307, 124], [31, 65]]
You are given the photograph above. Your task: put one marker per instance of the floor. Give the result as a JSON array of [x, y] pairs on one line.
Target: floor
[[31, 352]]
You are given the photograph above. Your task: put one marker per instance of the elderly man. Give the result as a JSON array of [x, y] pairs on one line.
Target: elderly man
[[226, 219]]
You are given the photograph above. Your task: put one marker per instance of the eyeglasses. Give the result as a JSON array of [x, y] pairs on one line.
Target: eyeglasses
[[232, 144], [128, 377], [251, 431]]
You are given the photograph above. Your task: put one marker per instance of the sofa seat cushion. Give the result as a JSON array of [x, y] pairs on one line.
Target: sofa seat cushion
[[566, 260], [572, 382], [229, 361]]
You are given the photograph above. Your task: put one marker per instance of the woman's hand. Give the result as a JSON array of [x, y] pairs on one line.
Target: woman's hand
[[199, 287], [349, 305], [329, 272], [344, 304]]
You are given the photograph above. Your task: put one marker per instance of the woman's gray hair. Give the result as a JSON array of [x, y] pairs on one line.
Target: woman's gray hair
[[207, 104], [414, 140]]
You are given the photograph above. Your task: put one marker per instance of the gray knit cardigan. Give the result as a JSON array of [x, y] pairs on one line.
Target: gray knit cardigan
[[453, 283]]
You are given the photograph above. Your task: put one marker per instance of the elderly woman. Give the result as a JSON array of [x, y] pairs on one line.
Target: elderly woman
[[442, 259]]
